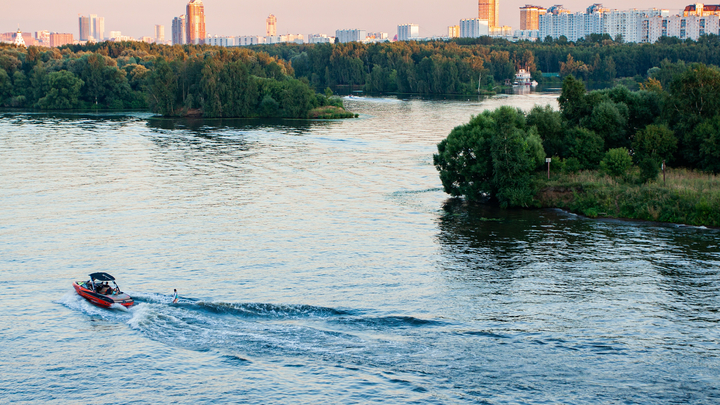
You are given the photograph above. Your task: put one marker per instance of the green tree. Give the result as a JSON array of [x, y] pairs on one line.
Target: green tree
[[709, 154], [649, 169], [616, 163], [163, 88], [64, 91], [492, 155], [549, 126], [693, 99], [269, 108], [609, 120], [6, 87], [586, 146], [572, 100], [657, 142]]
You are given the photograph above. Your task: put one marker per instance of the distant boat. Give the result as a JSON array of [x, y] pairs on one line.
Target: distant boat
[[524, 78]]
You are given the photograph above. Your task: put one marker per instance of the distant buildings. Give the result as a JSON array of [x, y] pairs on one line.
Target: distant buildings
[[701, 10], [530, 17], [178, 30], [97, 28], [454, 31], [84, 28], [43, 38], [474, 28], [91, 28], [159, 34], [408, 32], [249, 40], [58, 39], [271, 26], [319, 39], [489, 10], [559, 22], [354, 35], [632, 25], [195, 19], [692, 27]]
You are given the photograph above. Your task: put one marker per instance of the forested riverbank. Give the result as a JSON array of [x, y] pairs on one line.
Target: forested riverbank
[[461, 66], [168, 80], [607, 148]]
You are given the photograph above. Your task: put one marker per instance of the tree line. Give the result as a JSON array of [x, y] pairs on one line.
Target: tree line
[[462, 65], [169, 80], [674, 119]]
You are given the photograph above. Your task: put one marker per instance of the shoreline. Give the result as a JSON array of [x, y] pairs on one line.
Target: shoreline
[[688, 198]]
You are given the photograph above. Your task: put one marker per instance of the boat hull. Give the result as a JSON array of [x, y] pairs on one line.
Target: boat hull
[[103, 301]]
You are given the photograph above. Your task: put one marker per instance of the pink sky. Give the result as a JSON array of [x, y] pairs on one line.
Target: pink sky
[[137, 18]]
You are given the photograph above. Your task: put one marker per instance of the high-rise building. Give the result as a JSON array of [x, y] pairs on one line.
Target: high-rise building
[[159, 34], [454, 31], [530, 17], [408, 32], [489, 10], [691, 26], [178, 30], [84, 25], [195, 20], [628, 24], [99, 29], [271, 26], [92, 21], [58, 39], [474, 28]]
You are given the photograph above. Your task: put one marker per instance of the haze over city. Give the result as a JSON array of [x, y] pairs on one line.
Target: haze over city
[[223, 17]]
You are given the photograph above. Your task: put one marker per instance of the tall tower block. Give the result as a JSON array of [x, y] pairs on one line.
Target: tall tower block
[[271, 26], [489, 10], [195, 19]]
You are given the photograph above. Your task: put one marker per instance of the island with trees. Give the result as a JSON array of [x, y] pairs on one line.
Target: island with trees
[[172, 81], [607, 150]]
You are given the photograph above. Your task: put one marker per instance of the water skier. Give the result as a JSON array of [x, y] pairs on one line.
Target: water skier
[[175, 296]]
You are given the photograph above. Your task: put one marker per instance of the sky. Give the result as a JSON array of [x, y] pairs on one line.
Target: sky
[[137, 18]]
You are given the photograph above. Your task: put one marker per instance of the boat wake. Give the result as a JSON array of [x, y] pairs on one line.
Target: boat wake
[[250, 330]]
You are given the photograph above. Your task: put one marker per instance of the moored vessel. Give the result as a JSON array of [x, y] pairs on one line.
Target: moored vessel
[[524, 78]]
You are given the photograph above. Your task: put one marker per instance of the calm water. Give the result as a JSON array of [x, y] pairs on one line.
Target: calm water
[[322, 263]]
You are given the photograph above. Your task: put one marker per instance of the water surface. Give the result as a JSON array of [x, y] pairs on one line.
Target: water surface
[[320, 262]]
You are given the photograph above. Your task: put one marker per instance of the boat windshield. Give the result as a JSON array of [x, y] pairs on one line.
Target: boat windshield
[[103, 287]]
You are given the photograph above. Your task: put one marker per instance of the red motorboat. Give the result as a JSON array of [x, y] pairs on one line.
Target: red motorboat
[[99, 292]]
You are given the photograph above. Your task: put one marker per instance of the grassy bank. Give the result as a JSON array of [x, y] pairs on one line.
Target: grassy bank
[[686, 197], [330, 112]]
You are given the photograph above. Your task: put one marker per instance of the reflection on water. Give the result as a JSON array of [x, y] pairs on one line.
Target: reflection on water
[[320, 262]]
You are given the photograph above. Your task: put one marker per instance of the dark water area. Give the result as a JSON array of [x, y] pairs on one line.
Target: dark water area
[[320, 262]]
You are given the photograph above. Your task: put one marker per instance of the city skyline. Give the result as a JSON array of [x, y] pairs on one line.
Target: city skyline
[[224, 17]]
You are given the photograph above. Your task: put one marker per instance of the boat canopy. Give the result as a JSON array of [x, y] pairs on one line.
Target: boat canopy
[[102, 277]]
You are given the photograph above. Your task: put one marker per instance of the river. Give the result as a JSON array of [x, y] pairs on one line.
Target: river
[[320, 262]]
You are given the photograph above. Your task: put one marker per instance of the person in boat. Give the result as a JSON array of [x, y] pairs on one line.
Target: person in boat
[[104, 288]]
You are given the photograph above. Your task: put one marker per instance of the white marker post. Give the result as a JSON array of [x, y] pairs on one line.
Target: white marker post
[[548, 162]]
